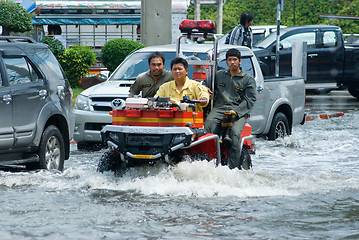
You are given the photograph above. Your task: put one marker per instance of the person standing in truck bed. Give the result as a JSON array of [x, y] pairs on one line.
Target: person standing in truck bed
[[149, 82], [242, 34]]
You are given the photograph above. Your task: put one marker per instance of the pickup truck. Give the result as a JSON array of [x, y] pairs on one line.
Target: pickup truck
[[279, 106], [330, 63]]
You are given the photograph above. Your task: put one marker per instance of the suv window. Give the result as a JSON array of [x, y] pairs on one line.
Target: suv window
[[51, 61], [19, 70]]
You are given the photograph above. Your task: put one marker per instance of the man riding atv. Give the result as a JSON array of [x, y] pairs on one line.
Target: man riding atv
[[235, 95], [183, 86]]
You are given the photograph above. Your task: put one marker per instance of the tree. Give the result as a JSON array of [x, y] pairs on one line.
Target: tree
[[14, 18], [116, 50], [76, 62]]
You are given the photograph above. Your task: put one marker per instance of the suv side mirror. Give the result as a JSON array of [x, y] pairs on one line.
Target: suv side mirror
[[103, 75], [280, 47]]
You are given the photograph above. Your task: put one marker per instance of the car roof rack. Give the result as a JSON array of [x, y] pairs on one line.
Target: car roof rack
[[17, 39]]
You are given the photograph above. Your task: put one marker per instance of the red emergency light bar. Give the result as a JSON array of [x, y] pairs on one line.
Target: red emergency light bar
[[200, 26]]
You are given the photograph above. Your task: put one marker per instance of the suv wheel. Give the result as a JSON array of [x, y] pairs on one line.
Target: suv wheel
[[52, 149]]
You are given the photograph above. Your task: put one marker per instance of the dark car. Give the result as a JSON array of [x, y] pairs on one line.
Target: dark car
[[36, 120], [325, 53]]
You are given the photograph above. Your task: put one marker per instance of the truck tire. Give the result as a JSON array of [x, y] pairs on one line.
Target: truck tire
[[354, 91], [279, 127], [109, 161], [52, 149], [245, 160]]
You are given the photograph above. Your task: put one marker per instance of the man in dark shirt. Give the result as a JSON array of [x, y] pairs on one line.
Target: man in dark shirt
[[235, 94], [149, 82]]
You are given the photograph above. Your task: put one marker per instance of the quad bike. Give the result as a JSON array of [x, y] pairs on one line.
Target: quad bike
[[152, 130]]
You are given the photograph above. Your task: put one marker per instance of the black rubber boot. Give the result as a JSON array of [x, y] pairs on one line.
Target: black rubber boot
[[227, 140]]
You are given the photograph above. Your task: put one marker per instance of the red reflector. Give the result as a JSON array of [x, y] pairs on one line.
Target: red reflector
[[165, 114], [132, 113]]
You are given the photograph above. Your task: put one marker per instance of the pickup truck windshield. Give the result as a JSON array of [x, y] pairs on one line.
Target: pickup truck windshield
[[137, 63]]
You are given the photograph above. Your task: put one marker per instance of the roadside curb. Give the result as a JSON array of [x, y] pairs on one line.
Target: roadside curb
[[324, 116]]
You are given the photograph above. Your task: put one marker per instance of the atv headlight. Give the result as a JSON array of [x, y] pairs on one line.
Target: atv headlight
[[181, 138], [114, 136], [82, 103], [177, 139]]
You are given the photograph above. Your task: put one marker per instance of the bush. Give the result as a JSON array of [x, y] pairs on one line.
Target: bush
[[55, 45], [116, 50], [76, 62], [14, 17]]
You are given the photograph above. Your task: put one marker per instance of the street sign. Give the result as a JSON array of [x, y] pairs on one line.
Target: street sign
[[207, 2]]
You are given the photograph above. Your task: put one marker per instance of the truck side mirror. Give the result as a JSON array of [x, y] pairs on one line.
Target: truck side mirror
[[104, 75], [280, 47]]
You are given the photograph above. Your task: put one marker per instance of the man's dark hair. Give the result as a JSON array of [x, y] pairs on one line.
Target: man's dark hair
[[245, 17], [233, 53], [179, 60], [156, 55]]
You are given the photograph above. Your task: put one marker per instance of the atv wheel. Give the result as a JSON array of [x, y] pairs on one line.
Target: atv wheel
[[109, 161], [279, 127], [52, 149], [245, 160]]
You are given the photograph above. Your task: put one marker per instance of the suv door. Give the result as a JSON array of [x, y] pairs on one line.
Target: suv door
[[6, 130], [28, 92]]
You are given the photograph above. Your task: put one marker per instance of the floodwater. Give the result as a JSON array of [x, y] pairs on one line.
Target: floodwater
[[305, 186]]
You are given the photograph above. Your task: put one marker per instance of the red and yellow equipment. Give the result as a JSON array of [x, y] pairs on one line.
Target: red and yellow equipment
[[157, 118]]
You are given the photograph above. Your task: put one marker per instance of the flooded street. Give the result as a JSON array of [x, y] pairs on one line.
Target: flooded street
[[302, 187]]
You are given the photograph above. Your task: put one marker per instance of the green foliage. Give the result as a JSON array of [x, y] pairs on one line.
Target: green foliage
[[56, 46], [76, 62], [295, 12], [116, 50], [14, 17]]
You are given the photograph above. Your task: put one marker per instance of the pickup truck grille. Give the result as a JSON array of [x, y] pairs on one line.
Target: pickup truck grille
[[103, 104]]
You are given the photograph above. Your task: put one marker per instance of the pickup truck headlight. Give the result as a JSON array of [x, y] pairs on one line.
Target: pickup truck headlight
[[82, 103]]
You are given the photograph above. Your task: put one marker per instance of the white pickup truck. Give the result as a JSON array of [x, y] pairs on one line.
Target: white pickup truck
[[279, 106]]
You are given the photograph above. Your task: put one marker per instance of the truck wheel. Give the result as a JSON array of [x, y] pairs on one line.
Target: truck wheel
[[52, 149], [354, 91], [245, 160], [109, 161], [279, 127]]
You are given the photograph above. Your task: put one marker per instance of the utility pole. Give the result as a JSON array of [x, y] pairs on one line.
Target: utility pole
[[293, 13], [156, 22], [219, 16], [197, 9], [279, 9]]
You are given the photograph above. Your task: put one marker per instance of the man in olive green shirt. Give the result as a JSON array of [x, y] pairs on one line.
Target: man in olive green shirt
[[149, 82], [234, 92]]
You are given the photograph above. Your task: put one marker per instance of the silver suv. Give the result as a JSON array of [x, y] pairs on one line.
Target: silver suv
[[36, 120]]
